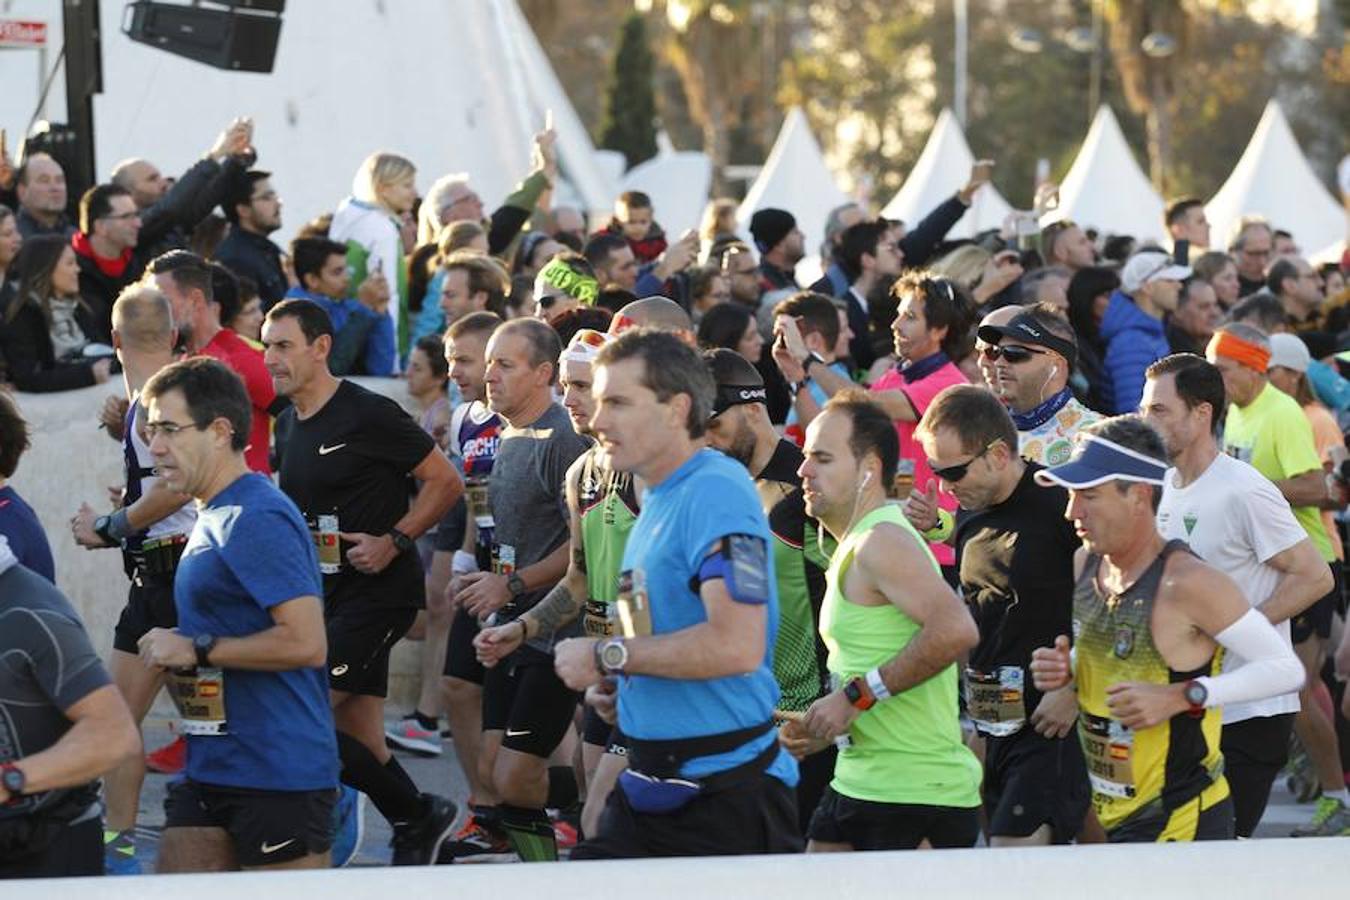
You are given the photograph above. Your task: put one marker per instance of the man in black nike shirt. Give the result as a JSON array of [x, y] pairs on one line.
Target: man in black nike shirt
[[345, 456]]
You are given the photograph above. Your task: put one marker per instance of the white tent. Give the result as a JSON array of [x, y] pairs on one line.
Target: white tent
[[1105, 189], [942, 168], [455, 85], [678, 183], [795, 178], [1273, 179]]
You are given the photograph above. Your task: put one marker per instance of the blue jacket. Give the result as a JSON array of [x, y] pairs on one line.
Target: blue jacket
[[1133, 339], [363, 340]]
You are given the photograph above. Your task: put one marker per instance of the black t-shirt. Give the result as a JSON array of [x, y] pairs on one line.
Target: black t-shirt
[[1016, 565], [352, 459]]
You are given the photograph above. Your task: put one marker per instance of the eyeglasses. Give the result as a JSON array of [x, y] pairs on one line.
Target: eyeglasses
[[169, 429], [953, 474], [1013, 353]]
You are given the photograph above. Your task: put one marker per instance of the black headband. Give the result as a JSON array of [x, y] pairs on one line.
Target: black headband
[[729, 395]]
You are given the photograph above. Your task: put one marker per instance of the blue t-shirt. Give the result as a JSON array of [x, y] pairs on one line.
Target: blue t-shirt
[[20, 526], [709, 497], [248, 552]]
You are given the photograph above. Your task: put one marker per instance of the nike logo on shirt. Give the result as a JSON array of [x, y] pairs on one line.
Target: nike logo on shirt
[[324, 451], [273, 848]]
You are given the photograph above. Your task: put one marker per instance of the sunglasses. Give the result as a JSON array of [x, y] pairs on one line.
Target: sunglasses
[[953, 474], [1013, 353]]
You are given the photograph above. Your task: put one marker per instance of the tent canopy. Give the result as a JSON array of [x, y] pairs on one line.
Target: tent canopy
[[677, 181], [1273, 179], [1105, 188], [942, 168]]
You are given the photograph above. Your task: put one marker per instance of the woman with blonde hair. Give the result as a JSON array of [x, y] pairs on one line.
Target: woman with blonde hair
[[370, 221], [719, 221]]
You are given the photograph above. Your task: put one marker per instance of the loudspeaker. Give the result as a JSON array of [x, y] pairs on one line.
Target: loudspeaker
[[221, 38]]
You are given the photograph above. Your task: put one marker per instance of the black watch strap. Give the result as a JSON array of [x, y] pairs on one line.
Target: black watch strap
[[103, 528], [402, 543]]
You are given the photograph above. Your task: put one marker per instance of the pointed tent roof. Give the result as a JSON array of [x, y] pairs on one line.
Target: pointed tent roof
[[795, 178], [1105, 188], [340, 90], [677, 181], [1273, 179], [943, 167]]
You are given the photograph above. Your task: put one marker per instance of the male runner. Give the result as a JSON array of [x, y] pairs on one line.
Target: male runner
[[1015, 552], [1149, 618], [894, 630], [692, 670], [740, 428], [1234, 519], [602, 506], [344, 456], [151, 527], [527, 710], [261, 782]]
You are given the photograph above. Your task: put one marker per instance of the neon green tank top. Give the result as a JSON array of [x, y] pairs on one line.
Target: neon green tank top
[[907, 749], [608, 507]]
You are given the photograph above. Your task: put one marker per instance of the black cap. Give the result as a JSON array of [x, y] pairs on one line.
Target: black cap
[[769, 226], [737, 380], [1025, 329]]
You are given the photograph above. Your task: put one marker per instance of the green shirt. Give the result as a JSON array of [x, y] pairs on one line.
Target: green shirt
[[608, 507], [907, 749], [1273, 435]]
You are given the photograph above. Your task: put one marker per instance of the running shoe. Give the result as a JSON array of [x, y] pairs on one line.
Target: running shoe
[[475, 843], [349, 825], [169, 759], [417, 843], [1330, 819], [119, 853], [1302, 780], [408, 734], [564, 834]]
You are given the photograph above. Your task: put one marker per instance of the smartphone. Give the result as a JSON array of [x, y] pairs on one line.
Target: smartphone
[[1181, 252]]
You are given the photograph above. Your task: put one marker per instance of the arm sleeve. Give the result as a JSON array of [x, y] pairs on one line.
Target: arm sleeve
[[1269, 666], [64, 663], [920, 241]]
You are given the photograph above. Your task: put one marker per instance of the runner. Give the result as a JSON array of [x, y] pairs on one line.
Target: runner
[[1234, 519], [527, 710], [691, 676], [740, 428], [1015, 552], [344, 456], [1148, 620], [259, 787], [894, 630]]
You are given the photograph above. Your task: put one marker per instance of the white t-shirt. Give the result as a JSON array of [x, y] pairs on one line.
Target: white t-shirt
[[1235, 519]]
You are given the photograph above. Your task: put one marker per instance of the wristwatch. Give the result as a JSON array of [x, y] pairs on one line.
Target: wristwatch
[[811, 359], [611, 656], [515, 584], [12, 777], [1196, 694], [402, 543], [859, 695], [202, 645], [103, 528]]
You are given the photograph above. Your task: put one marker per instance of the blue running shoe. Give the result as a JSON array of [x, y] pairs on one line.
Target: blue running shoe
[[119, 853], [349, 818]]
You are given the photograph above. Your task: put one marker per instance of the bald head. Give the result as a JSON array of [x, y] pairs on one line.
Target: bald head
[[143, 179], [142, 320], [658, 313]]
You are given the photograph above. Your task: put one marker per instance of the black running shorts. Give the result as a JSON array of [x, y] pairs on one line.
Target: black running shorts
[[1030, 781], [149, 605], [869, 825], [360, 638], [528, 703], [267, 827]]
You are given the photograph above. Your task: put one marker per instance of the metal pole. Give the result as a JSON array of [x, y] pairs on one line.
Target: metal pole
[[1095, 67], [962, 63]]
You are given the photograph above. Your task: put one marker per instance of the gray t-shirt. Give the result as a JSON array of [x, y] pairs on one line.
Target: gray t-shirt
[[529, 503], [47, 665]]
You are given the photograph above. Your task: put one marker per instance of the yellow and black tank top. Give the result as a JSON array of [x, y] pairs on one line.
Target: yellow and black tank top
[[1148, 773]]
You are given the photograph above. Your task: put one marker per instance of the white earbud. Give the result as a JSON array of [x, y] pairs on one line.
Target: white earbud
[[866, 478]]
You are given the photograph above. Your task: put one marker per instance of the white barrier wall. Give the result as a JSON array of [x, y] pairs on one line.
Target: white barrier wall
[[1286, 868], [71, 461]]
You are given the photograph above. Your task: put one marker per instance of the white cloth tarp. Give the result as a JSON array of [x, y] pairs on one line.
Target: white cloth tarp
[[454, 85], [1106, 189], [795, 178], [1273, 179], [941, 170]]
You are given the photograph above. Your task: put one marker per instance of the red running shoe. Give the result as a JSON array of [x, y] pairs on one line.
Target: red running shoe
[[169, 759]]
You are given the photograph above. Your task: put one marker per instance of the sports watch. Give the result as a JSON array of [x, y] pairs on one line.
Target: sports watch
[[202, 645], [103, 528], [611, 656], [859, 695], [402, 543], [12, 777], [1196, 694], [811, 359]]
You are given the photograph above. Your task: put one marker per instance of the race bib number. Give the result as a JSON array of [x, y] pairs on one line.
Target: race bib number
[[1108, 746], [199, 695], [476, 490], [598, 622], [994, 700], [503, 559], [327, 545], [635, 614]]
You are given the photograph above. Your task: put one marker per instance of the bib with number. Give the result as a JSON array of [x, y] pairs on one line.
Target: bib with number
[[503, 559], [476, 491], [995, 700], [199, 695], [597, 619], [1108, 746], [635, 614]]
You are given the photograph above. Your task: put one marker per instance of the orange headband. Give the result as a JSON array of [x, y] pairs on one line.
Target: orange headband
[[1245, 353]]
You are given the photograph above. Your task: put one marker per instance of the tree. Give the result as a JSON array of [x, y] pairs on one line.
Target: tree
[[629, 125]]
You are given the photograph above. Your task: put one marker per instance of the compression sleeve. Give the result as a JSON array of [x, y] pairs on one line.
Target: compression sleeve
[[1269, 666]]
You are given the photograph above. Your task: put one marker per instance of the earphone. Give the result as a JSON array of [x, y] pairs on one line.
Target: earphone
[[867, 476]]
